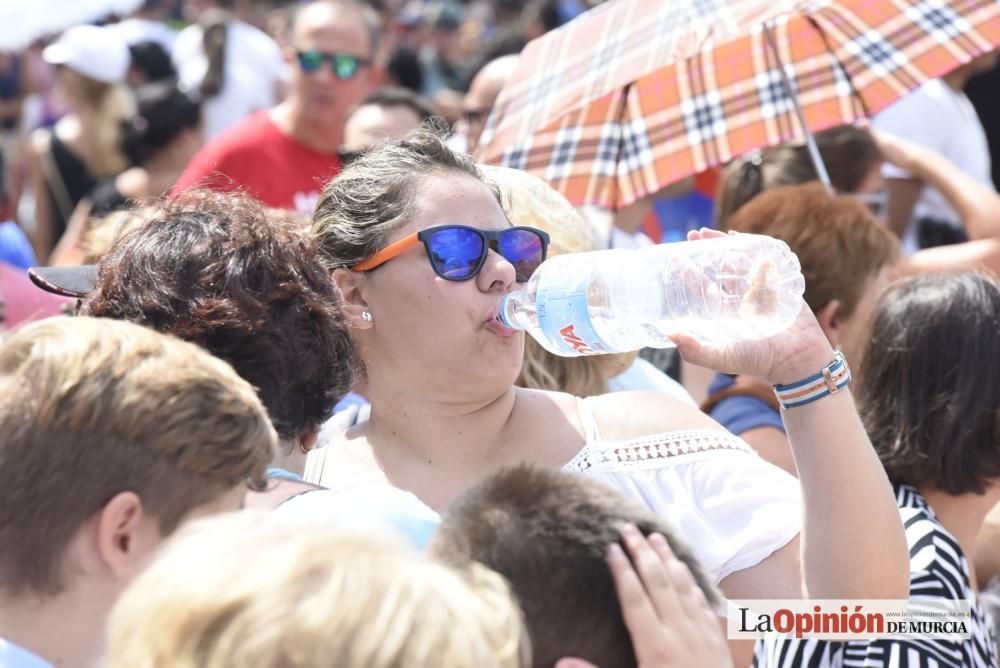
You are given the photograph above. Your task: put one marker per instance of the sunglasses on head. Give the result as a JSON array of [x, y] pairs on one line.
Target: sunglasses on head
[[458, 252], [344, 66]]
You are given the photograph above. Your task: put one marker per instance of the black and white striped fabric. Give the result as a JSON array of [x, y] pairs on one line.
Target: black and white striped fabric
[[938, 570]]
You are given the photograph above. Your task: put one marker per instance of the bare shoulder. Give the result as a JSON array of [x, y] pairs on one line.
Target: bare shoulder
[[133, 183], [68, 131], [554, 414], [627, 415], [548, 410]]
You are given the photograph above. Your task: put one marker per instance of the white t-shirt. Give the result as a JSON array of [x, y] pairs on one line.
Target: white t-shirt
[[942, 119], [133, 31], [254, 66], [733, 508]]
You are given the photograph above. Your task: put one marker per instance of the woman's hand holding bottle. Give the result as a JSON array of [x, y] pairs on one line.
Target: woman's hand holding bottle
[[789, 356]]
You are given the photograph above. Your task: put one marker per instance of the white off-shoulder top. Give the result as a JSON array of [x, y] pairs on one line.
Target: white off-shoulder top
[[731, 507]]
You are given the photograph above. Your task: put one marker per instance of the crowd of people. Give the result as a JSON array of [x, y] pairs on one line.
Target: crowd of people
[[281, 424]]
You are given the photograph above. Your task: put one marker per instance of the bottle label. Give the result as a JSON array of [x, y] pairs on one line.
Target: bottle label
[[565, 319]]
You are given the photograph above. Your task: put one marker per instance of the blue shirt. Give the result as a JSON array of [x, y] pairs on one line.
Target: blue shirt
[[282, 474], [350, 399], [15, 656], [15, 248], [361, 507], [739, 414]]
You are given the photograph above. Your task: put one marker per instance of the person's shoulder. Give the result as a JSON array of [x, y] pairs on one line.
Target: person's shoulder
[[226, 160], [741, 413], [936, 91], [938, 567], [930, 91], [133, 183], [240, 139], [247, 132], [253, 38], [934, 96], [187, 44], [247, 31], [907, 115], [628, 415]]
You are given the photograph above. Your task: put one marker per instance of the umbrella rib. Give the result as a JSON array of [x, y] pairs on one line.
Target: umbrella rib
[[840, 66], [817, 159]]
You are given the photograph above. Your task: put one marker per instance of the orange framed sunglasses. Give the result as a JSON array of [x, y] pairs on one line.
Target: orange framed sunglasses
[[458, 252]]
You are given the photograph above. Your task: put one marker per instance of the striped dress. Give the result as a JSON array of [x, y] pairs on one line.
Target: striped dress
[[938, 570]]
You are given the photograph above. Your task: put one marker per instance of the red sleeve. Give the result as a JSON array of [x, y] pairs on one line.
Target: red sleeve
[[209, 168]]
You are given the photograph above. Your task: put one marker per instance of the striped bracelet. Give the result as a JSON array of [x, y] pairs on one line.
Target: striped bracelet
[[828, 381]]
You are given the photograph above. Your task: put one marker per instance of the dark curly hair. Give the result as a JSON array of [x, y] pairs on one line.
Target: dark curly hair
[[247, 284]]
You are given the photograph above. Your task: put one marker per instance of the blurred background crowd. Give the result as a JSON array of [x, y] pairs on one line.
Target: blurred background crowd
[[79, 112]]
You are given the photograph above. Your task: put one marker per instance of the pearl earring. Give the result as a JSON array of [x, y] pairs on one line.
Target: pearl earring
[[366, 316]]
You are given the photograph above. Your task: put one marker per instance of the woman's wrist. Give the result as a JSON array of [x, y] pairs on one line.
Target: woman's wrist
[[803, 365], [801, 423], [831, 379]]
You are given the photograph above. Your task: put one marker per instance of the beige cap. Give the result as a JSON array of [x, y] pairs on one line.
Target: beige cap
[[532, 202]]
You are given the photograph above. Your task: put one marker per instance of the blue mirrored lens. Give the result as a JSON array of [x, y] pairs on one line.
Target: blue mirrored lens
[[523, 249], [455, 252]]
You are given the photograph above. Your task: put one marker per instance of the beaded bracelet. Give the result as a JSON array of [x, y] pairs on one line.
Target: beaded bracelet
[[828, 381]]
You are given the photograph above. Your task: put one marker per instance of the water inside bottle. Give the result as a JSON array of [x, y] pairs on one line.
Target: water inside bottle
[[717, 291], [626, 303], [640, 306]]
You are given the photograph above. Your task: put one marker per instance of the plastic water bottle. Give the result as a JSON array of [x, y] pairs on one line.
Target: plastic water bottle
[[725, 289]]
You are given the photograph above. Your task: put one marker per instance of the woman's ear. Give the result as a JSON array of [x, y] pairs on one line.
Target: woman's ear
[[352, 302], [829, 321]]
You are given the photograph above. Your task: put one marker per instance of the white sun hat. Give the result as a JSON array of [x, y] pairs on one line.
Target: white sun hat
[[96, 53], [532, 202]]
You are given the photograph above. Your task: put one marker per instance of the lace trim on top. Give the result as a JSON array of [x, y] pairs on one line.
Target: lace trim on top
[[651, 450]]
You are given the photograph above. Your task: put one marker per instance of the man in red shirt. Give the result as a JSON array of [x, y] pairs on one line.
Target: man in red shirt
[[285, 156]]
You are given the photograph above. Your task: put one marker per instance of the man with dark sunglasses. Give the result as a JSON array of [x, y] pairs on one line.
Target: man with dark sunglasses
[[283, 156]]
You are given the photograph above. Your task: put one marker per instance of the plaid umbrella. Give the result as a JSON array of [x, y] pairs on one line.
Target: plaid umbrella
[[637, 94]]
